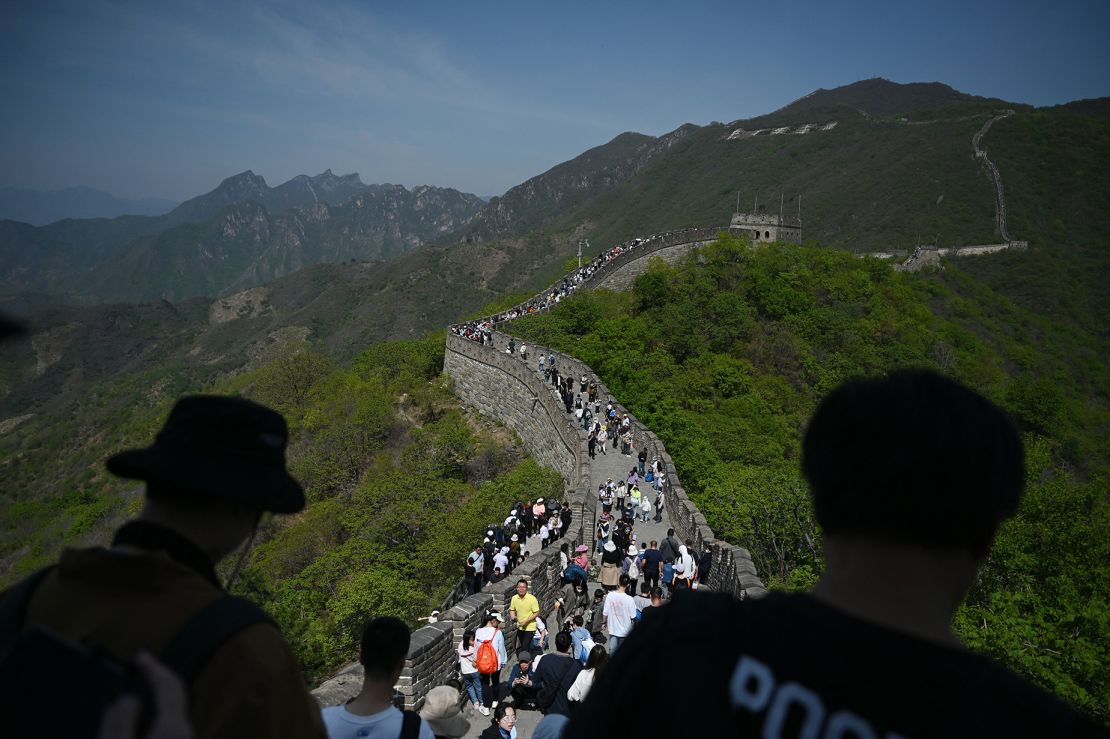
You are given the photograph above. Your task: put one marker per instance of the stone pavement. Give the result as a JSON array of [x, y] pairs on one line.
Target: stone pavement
[[611, 464]]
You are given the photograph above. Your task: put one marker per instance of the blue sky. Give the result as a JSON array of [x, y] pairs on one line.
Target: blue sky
[[167, 99]]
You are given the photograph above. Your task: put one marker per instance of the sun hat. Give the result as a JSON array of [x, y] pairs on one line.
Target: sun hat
[[514, 538], [610, 546], [493, 615], [581, 548], [632, 551], [524, 656], [441, 711], [218, 447]]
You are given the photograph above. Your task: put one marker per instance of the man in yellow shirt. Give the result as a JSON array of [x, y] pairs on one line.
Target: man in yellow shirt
[[524, 609]]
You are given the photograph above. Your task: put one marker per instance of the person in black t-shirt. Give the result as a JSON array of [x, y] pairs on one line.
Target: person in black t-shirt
[[911, 475]]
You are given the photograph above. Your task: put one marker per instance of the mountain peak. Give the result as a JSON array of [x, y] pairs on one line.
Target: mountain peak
[[246, 178], [878, 96]]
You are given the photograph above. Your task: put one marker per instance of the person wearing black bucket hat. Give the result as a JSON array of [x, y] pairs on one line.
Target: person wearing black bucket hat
[[214, 468], [214, 447]]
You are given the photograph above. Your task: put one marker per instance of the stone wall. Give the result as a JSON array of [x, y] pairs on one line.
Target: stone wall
[[623, 276], [501, 386], [504, 387]]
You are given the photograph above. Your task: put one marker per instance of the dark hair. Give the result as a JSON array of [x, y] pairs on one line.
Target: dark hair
[[670, 532], [657, 592], [468, 638], [499, 712], [597, 658], [562, 641], [578, 620], [644, 587], [385, 642], [624, 581], [913, 458], [522, 582]]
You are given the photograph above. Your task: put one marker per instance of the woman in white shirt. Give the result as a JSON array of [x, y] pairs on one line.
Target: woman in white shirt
[[597, 659], [468, 652], [491, 682]]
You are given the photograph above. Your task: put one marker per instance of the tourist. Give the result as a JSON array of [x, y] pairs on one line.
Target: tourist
[[631, 567], [652, 559], [371, 713], [524, 609], [597, 659], [611, 560], [472, 681], [539, 637], [504, 723], [214, 468], [558, 670], [491, 681], [684, 567], [619, 612], [579, 637], [669, 546], [582, 556], [521, 685], [441, 713]]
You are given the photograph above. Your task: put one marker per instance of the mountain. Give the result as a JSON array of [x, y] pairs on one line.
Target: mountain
[[867, 183], [40, 208], [878, 97], [249, 187], [245, 245], [569, 185], [247, 234]]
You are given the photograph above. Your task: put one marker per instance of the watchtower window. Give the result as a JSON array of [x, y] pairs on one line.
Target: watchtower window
[[766, 234]]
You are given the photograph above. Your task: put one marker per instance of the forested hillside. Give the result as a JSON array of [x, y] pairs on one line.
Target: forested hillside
[[726, 356], [400, 480]]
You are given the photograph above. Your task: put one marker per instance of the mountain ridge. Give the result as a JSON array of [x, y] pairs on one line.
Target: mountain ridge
[[304, 220]]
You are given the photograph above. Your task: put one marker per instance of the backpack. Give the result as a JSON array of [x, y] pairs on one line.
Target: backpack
[[588, 645], [102, 678], [486, 659], [634, 569]]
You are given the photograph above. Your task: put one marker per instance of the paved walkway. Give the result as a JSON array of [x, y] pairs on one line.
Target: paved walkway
[[603, 466]]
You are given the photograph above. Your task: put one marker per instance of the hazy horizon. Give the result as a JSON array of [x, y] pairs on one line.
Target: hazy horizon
[[166, 102]]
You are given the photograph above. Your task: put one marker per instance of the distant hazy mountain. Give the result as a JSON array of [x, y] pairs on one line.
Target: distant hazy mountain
[[248, 187], [40, 208], [242, 233]]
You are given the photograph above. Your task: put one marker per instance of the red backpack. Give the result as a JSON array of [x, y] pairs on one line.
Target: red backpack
[[486, 660]]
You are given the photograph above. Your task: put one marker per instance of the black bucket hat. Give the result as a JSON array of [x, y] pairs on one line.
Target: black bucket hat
[[219, 447]]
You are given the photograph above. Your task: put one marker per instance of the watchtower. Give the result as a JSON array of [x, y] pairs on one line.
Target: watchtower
[[763, 228]]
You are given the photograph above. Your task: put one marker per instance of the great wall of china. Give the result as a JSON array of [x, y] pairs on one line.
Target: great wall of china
[[503, 387]]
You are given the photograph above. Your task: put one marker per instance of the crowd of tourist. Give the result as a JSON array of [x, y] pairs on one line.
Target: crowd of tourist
[[481, 330], [911, 476], [503, 547]]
